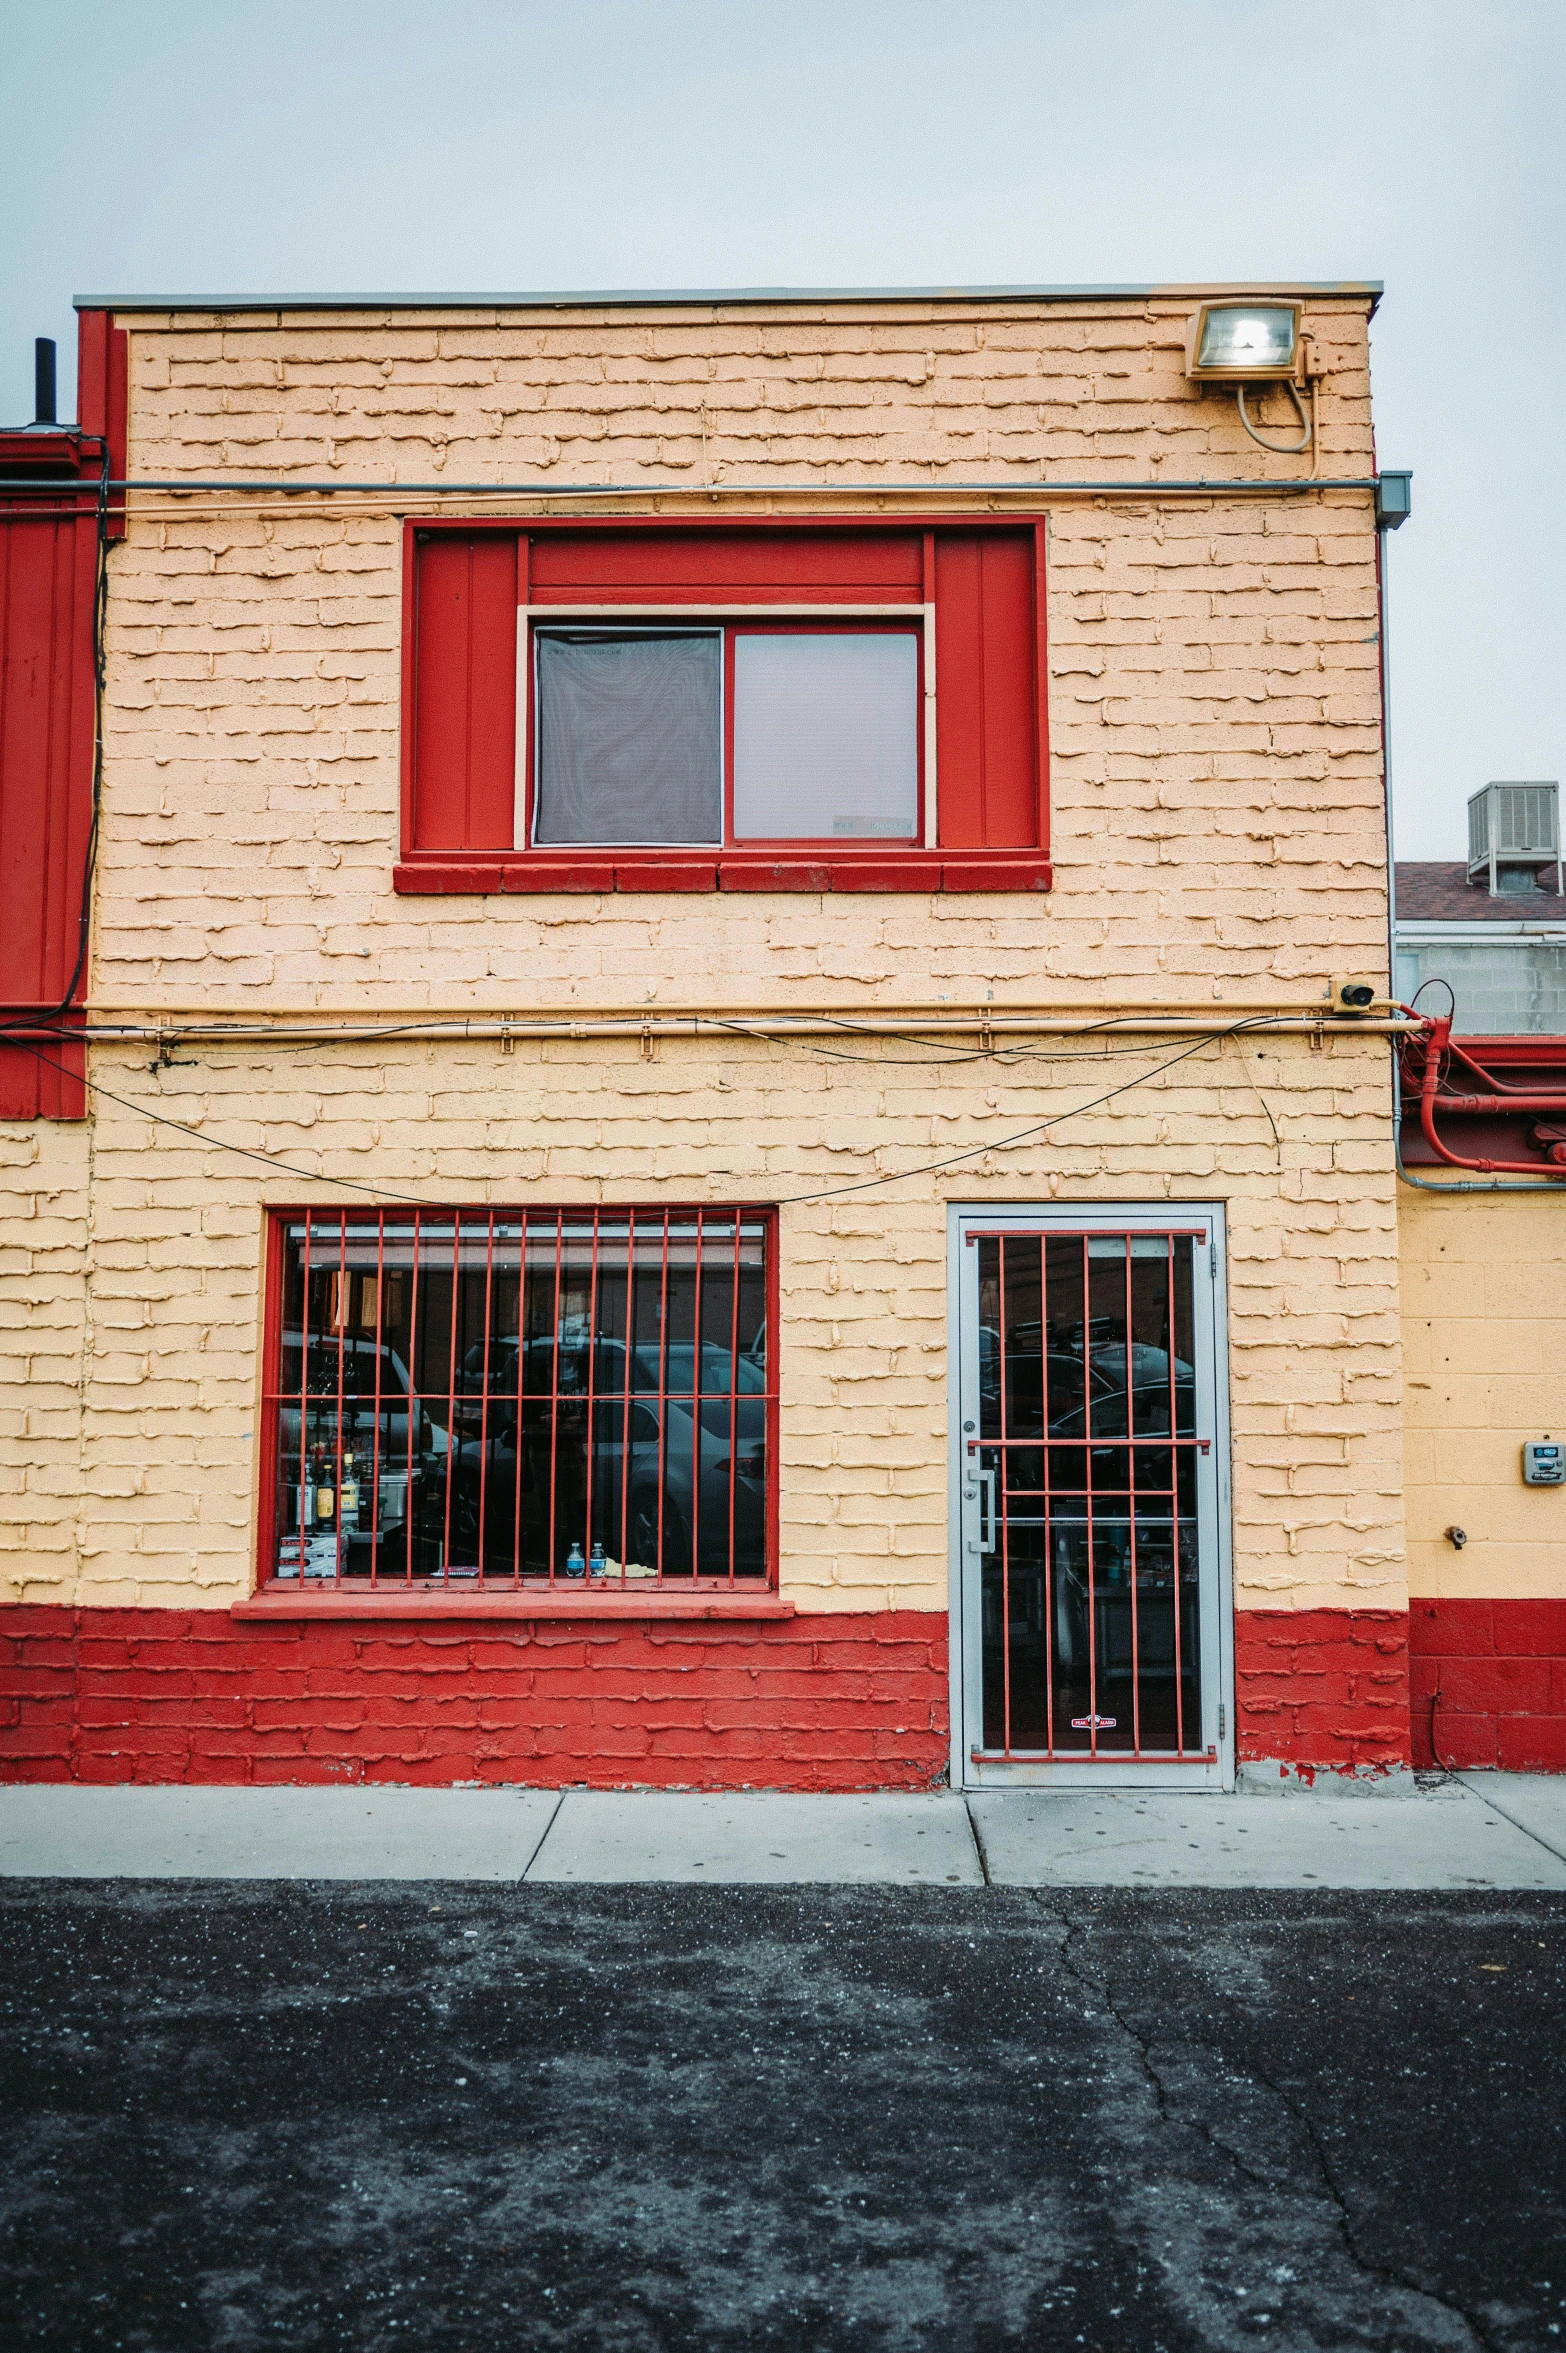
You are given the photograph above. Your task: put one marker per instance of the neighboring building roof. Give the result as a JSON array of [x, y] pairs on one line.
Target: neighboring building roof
[[648, 297], [1439, 891]]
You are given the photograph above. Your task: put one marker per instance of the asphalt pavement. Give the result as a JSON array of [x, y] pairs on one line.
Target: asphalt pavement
[[649, 2118]]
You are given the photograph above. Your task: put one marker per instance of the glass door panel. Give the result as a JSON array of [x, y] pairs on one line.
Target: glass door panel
[[1089, 1502]]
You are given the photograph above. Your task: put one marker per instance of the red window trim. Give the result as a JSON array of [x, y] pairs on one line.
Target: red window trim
[[704, 1603], [682, 1597], [681, 869]]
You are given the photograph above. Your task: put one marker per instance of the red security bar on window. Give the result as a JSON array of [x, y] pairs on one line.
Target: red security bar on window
[[488, 1399]]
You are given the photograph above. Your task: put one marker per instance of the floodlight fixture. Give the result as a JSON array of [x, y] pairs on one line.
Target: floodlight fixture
[[1256, 342], [1244, 343]]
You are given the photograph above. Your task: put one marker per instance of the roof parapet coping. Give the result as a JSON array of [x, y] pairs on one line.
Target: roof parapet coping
[[735, 297]]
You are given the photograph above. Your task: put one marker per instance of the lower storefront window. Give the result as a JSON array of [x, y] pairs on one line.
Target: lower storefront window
[[502, 1398]]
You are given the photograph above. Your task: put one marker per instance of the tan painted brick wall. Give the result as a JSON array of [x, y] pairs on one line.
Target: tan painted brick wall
[[166, 1452], [44, 1227], [1484, 1343], [1216, 796]]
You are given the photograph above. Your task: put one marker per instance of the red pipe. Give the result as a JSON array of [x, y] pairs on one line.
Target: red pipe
[[1437, 1044], [1547, 1105]]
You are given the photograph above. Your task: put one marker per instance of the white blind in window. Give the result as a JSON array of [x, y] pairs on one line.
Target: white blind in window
[[826, 735]]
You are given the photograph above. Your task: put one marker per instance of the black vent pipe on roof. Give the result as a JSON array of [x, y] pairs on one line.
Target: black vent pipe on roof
[[45, 404]]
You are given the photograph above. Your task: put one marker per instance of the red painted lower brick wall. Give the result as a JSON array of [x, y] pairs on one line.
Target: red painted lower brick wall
[[841, 1702], [1322, 1690], [1489, 1684], [825, 1702]]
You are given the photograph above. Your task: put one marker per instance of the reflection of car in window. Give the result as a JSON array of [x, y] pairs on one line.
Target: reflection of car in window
[[356, 1371], [1105, 1412], [659, 1465]]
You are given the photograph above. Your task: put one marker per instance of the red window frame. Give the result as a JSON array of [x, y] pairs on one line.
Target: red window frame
[[479, 1223], [862, 863]]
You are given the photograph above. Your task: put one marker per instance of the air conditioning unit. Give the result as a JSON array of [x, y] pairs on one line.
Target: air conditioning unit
[[1514, 825]]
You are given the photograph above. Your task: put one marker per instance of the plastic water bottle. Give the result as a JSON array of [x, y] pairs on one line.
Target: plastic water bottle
[[596, 1565], [575, 1565]]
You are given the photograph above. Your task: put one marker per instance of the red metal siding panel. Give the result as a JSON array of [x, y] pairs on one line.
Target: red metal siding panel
[[103, 395], [37, 577], [46, 749], [464, 645], [44, 1081], [986, 654]]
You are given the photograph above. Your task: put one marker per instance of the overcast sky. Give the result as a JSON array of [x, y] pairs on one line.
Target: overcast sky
[[220, 145]]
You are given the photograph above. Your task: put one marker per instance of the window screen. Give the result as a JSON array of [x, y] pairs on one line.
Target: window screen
[[630, 736], [826, 741]]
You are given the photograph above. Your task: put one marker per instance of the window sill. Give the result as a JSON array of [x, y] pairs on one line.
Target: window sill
[[542, 1604], [906, 870]]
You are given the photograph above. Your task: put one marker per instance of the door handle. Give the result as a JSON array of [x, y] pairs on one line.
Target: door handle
[[987, 1511]]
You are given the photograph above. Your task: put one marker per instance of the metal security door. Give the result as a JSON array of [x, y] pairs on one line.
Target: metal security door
[[1091, 1577]]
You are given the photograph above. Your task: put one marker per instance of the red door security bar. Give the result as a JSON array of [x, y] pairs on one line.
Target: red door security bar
[[1086, 1459], [496, 1399]]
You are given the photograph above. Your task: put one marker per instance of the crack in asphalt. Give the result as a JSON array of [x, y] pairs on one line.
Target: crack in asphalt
[[1099, 1989], [1376, 2271], [1382, 2275]]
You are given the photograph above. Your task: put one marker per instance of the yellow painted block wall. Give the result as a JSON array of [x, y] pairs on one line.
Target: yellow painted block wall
[[45, 1214], [1216, 802], [1484, 1342]]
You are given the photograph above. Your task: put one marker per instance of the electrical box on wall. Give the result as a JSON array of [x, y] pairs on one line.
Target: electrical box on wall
[[1544, 1463]]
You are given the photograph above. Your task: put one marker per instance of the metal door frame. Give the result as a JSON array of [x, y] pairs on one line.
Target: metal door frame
[[1214, 1504]]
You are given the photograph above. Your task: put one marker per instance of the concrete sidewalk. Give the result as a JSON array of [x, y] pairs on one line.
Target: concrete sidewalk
[[1480, 1830]]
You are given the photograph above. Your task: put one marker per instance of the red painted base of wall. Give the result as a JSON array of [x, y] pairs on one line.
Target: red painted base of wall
[[851, 1702], [1489, 1684], [824, 1702], [1325, 1691]]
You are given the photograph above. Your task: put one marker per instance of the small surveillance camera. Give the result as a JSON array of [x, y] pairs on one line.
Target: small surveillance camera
[[1352, 996]]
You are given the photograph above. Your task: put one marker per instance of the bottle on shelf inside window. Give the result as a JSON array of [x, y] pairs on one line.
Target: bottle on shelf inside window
[[575, 1566]]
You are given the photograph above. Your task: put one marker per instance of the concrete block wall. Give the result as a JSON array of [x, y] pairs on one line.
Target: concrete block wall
[[45, 1343], [1484, 1340]]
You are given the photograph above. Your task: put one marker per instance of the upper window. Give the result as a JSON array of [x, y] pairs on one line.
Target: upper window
[[704, 701], [740, 734]]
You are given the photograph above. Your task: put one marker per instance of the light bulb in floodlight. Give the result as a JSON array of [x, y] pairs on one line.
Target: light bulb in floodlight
[[1246, 340]]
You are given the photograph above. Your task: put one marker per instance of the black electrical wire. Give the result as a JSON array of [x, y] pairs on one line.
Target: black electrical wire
[[1022, 1135], [216, 1143], [787, 1201], [948, 1056]]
